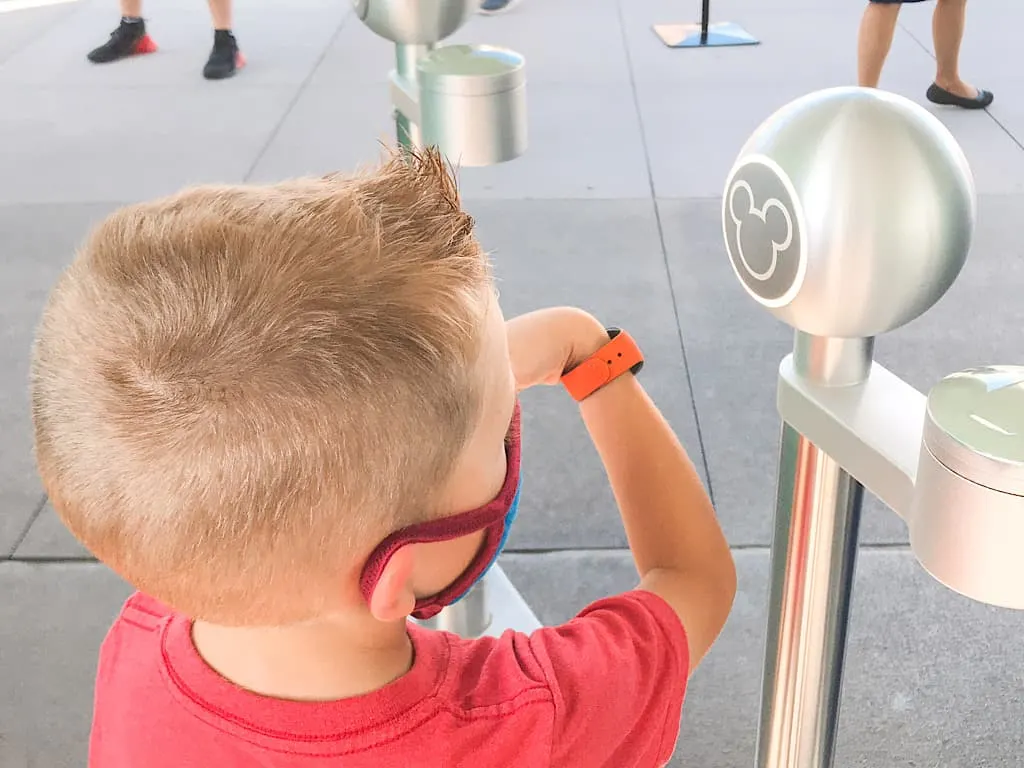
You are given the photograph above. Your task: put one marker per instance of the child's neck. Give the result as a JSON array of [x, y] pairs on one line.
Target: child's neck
[[310, 662]]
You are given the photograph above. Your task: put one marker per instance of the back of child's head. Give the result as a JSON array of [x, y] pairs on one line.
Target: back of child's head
[[238, 391]]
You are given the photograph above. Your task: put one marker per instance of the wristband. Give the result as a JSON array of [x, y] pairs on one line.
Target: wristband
[[620, 355]]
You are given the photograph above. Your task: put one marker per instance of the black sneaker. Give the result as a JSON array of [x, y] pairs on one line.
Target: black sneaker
[[128, 39], [225, 58]]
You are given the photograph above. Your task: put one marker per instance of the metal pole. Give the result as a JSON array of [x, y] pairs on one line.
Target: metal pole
[[406, 59], [814, 551], [489, 103], [469, 617]]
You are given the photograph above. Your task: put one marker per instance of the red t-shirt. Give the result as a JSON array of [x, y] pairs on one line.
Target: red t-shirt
[[605, 689]]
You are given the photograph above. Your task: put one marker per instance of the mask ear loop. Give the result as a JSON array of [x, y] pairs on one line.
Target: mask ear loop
[[506, 528], [491, 518]]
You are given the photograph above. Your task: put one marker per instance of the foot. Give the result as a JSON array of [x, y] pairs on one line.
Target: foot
[[129, 39], [959, 94], [225, 58], [491, 7]]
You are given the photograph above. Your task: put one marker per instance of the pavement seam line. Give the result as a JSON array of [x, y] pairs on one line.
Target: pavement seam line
[[298, 94], [664, 256]]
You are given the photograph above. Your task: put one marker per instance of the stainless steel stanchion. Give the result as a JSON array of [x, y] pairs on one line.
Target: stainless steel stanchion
[[467, 100], [847, 214], [470, 102], [407, 57], [817, 515]]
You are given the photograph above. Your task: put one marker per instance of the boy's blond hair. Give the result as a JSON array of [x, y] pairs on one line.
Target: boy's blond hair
[[239, 390]]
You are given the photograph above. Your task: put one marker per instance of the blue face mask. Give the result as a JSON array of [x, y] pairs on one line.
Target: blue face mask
[[495, 519]]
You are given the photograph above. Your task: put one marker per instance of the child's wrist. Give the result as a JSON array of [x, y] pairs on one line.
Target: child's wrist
[[588, 336]]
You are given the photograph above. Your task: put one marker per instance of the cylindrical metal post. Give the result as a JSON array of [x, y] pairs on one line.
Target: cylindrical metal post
[[416, 26], [470, 616], [814, 550], [406, 59]]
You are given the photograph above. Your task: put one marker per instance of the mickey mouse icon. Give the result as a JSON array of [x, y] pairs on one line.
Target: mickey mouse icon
[[742, 208], [761, 222]]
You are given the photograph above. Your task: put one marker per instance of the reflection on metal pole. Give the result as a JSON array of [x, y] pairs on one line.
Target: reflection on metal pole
[[813, 554], [814, 550], [470, 617], [407, 57]]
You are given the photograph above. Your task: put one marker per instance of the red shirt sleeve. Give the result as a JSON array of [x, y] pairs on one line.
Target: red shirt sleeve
[[618, 675]]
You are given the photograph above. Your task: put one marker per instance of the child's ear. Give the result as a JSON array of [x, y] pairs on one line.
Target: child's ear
[[393, 598]]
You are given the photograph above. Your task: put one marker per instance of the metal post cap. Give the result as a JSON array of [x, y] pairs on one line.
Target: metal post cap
[[471, 70], [473, 103], [975, 426], [967, 518], [415, 22], [849, 212]]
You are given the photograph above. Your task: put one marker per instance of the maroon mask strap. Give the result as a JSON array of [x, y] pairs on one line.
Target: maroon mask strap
[[490, 518]]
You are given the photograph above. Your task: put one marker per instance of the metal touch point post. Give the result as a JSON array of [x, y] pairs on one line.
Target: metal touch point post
[[847, 214], [814, 549], [467, 100], [470, 102], [407, 57]]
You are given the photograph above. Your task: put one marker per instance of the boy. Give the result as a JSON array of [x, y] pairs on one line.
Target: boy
[[288, 416]]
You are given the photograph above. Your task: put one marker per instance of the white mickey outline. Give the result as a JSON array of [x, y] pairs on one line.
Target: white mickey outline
[[795, 208], [762, 214]]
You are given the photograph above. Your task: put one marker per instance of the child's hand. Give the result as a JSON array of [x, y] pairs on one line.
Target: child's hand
[[543, 345]]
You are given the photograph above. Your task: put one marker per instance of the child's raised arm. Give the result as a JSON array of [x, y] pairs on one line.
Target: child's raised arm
[[677, 544]]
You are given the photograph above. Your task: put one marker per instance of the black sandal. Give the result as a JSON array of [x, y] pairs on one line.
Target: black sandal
[[937, 95]]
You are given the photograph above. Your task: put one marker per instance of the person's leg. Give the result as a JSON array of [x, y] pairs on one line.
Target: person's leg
[[874, 40], [220, 12], [947, 34], [128, 39], [225, 58]]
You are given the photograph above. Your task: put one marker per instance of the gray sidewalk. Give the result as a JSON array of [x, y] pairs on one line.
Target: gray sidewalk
[[614, 208]]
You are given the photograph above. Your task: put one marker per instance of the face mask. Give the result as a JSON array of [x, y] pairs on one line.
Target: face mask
[[495, 519]]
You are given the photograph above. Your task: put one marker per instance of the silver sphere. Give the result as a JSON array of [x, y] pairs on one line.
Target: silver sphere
[[415, 22], [849, 212]]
